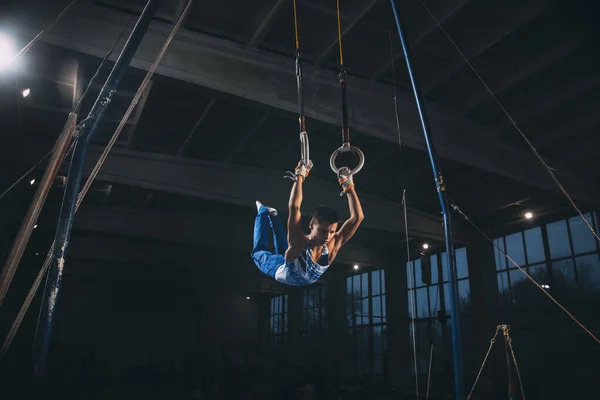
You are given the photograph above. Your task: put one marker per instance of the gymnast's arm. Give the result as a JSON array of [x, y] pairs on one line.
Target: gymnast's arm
[[351, 225], [296, 237]]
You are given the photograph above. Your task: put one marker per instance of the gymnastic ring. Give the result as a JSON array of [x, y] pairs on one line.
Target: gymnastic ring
[[346, 147], [304, 148]]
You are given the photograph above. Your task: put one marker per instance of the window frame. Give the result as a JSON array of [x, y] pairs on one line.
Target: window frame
[[278, 319], [504, 280], [370, 359]]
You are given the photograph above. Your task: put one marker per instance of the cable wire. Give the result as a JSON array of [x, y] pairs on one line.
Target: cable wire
[[412, 292], [492, 341]]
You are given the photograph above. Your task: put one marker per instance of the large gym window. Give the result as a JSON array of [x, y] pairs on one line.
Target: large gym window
[[561, 256], [428, 290], [314, 311], [278, 319], [367, 320]]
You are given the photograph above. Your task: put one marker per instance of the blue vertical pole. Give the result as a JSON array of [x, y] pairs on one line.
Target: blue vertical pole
[[441, 189], [67, 212]]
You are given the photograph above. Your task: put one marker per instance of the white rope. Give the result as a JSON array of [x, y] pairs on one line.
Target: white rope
[[412, 296], [430, 364], [509, 341]]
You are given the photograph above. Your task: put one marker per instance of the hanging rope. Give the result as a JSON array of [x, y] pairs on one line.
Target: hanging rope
[[484, 361], [512, 121], [457, 209], [412, 292], [509, 377], [93, 174], [346, 146], [508, 344], [508, 341], [305, 162], [304, 144]]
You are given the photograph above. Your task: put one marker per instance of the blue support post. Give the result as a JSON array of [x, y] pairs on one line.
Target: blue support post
[[459, 381], [67, 212]]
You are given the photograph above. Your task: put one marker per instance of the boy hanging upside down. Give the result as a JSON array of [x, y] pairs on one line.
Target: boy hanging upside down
[[301, 259]]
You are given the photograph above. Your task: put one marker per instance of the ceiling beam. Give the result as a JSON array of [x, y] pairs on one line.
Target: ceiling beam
[[122, 92], [269, 79], [569, 129], [516, 76], [265, 25], [139, 109], [182, 149], [66, 111], [445, 10], [230, 157], [583, 147], [407, 179], [221, 232], [560, 96], [346, 29], [240, 185], [477, 202], [386, 156], [493, 35]]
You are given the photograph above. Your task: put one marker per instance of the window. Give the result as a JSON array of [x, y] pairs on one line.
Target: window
[[563, 256], [430, 300], [315, 316], [526, 249], [367, 322], [278, 319], [427, 296]]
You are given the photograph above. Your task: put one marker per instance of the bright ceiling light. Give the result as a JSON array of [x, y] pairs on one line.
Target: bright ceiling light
[[31, 182], [7, 51], [425, 246], [355, 266], [26, 92], [528, 215]]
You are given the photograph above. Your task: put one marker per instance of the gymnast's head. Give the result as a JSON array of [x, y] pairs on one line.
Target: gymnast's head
[[323, 224]]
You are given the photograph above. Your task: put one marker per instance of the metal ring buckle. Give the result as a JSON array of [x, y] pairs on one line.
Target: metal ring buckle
[[346, 147]]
